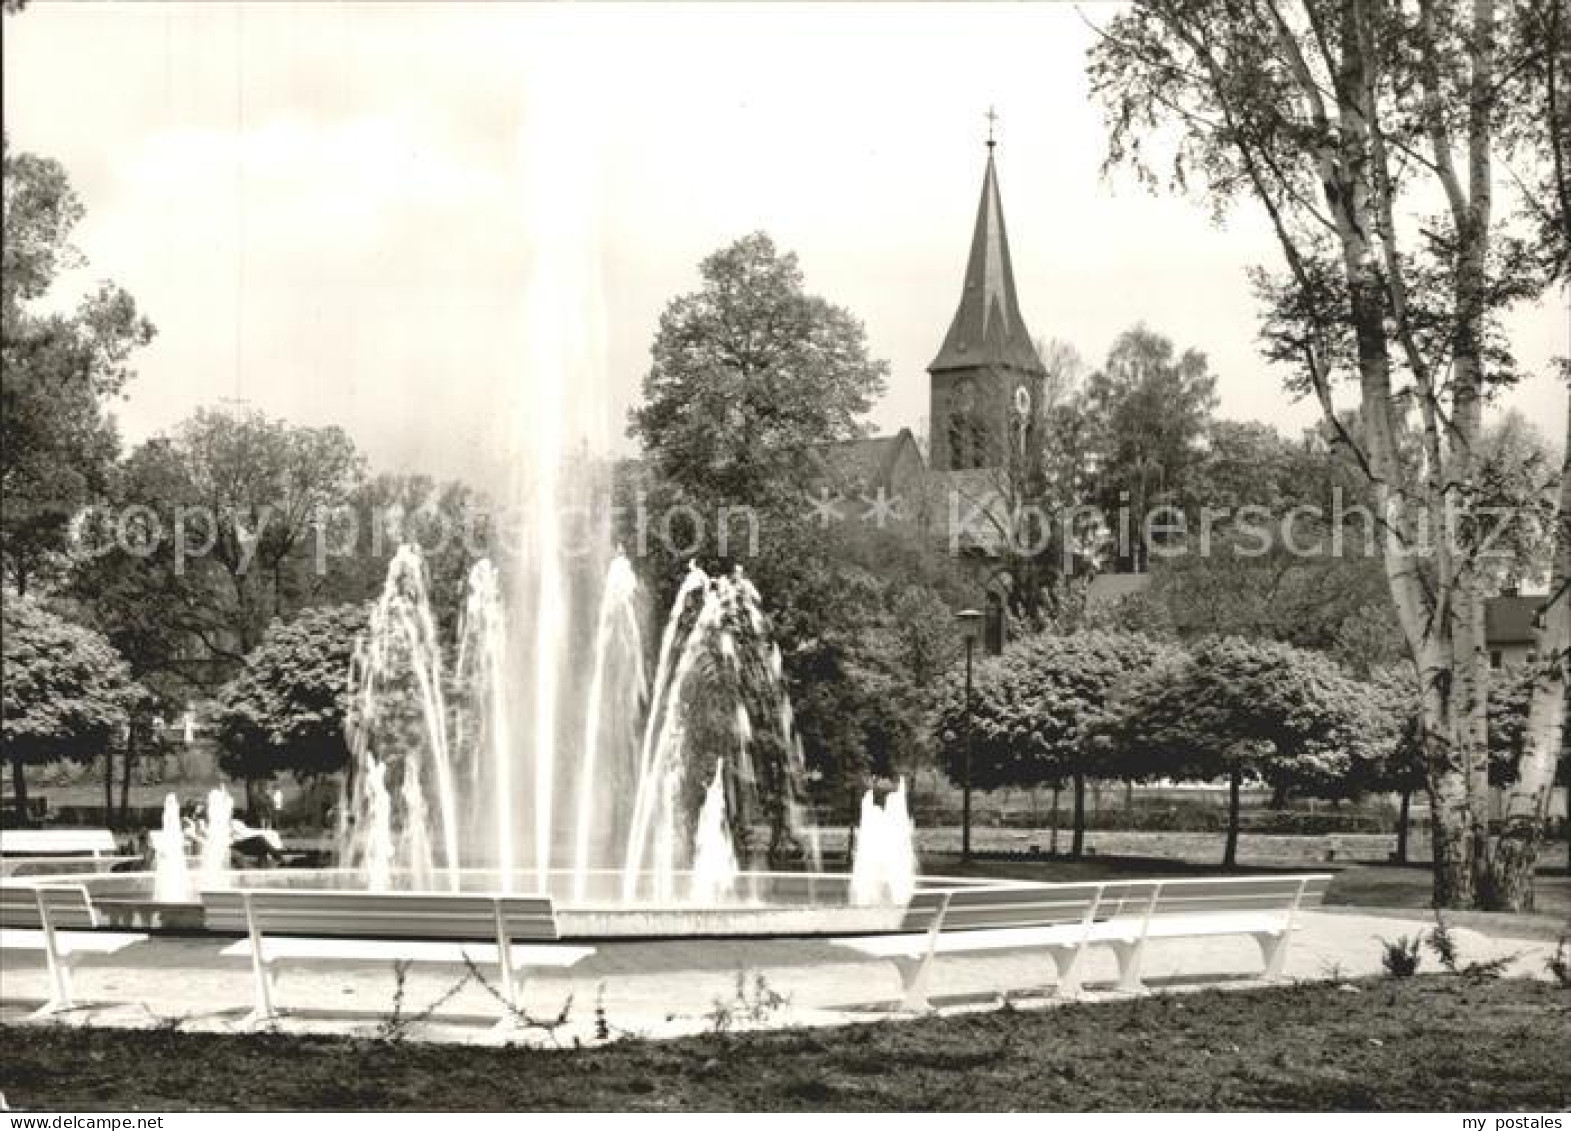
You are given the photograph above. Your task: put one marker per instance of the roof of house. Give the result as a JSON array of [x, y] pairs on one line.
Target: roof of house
[[988, 328], [1509, 619], [1106, 587]]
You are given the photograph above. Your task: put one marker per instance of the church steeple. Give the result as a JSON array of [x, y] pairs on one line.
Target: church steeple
[[988, 328], [987, 376]]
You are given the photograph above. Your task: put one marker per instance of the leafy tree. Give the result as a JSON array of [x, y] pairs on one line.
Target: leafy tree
[[1140, 611], [57, 372], [1536, 44], [1515, 487], [751, 376], [1400, 768], [1250, 710], [214, 532], [1278, 544], [1346, 123], [1151, 412], [1039, 712], [285, 712], [66, 691], [449, 520], [827, 618], [749, 371]]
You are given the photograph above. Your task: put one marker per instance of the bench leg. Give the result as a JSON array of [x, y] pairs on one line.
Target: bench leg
[[1131, 957], [512, 1003], [1273, 950], [914, 977], [60, 998], [1067, 960], [266, 986]]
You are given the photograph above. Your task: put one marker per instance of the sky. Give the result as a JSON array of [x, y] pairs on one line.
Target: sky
[[376, 215]]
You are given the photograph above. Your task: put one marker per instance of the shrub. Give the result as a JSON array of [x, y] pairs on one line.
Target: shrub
[[1444, 945], [1401, 958], [1560, 963]]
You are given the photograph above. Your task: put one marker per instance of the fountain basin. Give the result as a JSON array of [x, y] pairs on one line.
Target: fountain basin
[[776, 904]]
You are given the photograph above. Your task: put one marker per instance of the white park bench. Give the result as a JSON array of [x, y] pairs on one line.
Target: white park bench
[[288, 925], [24, 850], [1066, 920], [60, 920]]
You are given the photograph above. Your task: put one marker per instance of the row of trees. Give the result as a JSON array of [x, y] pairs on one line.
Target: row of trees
[[1125, 706], [1114, 705]]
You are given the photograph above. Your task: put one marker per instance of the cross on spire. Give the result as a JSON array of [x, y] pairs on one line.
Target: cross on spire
[[992, 120]]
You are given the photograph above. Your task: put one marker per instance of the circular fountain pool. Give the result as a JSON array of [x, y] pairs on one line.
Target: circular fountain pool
[[767, 905]]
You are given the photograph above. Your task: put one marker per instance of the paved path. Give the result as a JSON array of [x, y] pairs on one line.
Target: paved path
[[661, 989]]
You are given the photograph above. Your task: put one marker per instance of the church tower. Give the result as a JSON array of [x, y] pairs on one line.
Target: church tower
[[986, 382]]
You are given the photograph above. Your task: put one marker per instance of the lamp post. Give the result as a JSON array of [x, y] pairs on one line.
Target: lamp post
[[970, 622]]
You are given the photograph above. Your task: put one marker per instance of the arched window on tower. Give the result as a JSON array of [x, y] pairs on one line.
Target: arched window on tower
[[959, 441], [981, 441], [970, 443]]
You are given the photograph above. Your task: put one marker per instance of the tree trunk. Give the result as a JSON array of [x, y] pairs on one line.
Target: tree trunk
[[1435, 606], [1279, 796], [1452, 840], [1053, 840], [1078, 844], [1235, 782], [1402, 818], [19, 790], [1509, 858], [125, 774], [109, 784]]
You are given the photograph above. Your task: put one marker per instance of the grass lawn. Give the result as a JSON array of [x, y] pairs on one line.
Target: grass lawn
[[1429, 1043]]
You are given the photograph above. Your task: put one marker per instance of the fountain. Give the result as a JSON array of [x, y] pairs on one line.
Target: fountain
[[215, 837], [519, 743], [436, 801], [884, 869], [676, 806], [714, 857], [172, 873]]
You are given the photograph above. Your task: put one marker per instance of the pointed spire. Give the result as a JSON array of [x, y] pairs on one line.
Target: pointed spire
[[988, 328]]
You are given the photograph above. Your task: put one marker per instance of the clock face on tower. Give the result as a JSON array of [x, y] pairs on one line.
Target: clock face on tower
[[1022, 400]]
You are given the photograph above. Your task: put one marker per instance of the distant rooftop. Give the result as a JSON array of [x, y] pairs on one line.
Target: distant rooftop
[[1509, 619], [1107, 587]]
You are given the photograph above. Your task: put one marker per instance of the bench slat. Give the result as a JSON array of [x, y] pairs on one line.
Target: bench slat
[[70, 942], [1060, 893], [1178, 926], [412, 950], [68, 906], [56, 841], [924, 905], [401, 915]]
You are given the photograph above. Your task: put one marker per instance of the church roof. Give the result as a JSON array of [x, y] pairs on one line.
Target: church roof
[[866, 462], [988, 328]]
